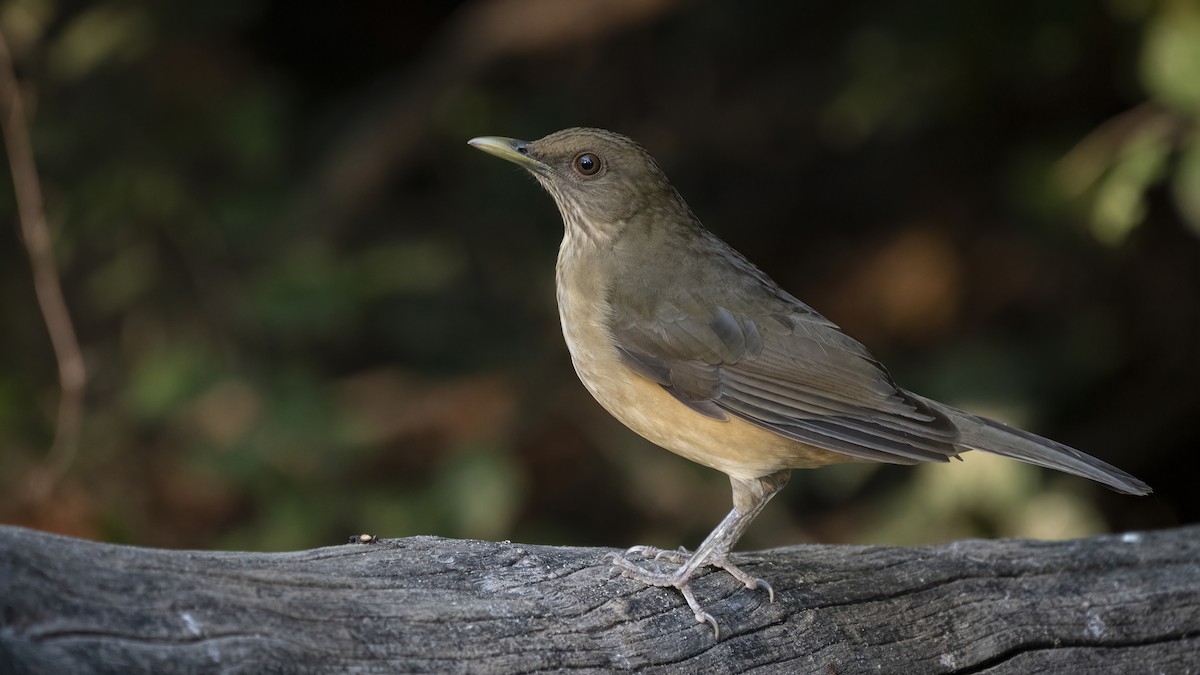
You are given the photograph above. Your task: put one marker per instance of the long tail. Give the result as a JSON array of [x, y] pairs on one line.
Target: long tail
[[980, 433]]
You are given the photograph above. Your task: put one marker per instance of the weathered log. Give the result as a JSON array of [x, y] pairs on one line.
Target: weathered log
[[1124, 603]]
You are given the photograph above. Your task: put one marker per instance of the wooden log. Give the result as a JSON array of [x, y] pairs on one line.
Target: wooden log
[[1122, 603]]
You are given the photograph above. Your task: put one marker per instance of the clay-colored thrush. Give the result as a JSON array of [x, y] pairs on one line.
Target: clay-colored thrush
[[690, 345]]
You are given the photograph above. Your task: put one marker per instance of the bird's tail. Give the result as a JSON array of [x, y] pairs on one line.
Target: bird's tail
[[980, 433]]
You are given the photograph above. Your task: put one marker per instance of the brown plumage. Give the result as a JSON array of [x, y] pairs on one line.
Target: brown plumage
[[690, 345]]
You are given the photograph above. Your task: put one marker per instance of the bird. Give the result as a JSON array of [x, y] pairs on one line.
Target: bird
[[693, 347]]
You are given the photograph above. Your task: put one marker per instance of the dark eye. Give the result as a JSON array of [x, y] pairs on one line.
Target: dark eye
[[587, 164]]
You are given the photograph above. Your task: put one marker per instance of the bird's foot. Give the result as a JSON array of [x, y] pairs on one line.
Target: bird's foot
[[681, 556], [678, 556], [681, 578]]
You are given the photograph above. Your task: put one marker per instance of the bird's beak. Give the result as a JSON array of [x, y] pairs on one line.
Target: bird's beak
[[510, 149]]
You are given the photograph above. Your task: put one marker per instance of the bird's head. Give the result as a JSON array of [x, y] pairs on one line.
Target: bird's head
[[600, 180]]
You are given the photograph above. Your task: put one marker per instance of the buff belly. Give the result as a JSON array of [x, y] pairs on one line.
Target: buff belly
[[738, 448]]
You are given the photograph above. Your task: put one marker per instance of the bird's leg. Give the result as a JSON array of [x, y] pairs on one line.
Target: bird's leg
[[749, 498]]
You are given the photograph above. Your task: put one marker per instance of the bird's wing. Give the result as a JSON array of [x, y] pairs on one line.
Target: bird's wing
[[787, 369]]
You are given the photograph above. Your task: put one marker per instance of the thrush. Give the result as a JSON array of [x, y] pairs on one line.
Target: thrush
[[690, 345]]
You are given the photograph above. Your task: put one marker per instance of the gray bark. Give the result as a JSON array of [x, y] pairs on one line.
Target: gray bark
[[1125, 603]]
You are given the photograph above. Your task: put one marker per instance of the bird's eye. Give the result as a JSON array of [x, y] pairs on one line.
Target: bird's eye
[[587, 164]]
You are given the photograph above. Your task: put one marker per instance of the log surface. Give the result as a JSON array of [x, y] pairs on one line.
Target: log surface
[[1121, 603]]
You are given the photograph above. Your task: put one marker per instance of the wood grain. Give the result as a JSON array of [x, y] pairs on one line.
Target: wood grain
[[1122, 603]]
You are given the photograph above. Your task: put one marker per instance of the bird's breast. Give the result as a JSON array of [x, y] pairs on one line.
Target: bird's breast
[[735, 447]]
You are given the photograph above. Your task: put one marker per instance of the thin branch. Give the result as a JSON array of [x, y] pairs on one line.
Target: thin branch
[[72, 375]]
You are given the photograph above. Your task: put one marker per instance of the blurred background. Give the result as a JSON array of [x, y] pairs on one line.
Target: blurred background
[[308, 309]]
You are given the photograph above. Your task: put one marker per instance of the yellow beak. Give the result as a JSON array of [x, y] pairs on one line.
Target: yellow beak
[[511, 149]]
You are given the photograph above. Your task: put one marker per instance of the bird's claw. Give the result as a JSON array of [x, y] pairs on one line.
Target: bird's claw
[[619, 564], [631, 570], [681, 579], [762, 583], [701, 615], [679, 556]]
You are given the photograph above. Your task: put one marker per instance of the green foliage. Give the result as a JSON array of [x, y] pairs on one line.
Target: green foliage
[[1170, 67], [1157, 141]]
